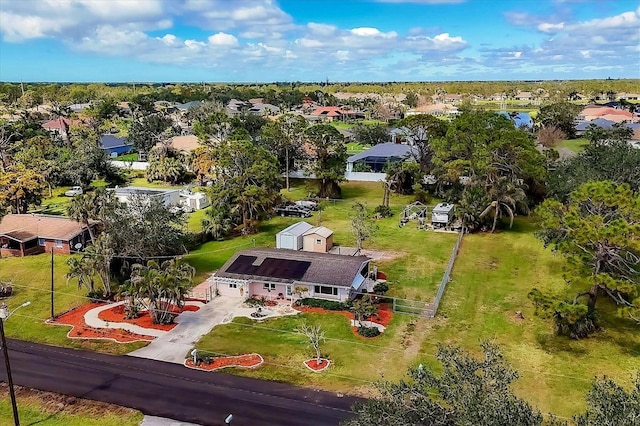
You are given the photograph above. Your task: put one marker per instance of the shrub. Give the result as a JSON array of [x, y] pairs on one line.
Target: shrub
[[382, 211], [329, 305], [96, 296], [368, 331], [380, 288]]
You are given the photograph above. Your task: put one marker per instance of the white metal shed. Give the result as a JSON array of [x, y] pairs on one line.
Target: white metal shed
[[292, 237]]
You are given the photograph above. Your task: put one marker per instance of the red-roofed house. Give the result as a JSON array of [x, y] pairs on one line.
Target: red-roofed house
[[60, 126], [332, 113], [25, 234]]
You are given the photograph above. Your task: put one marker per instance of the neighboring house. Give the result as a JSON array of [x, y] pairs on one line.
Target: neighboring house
[[275, 273], [331, 113], [184, 144], [114, 145], [438, 110], [26, 234], [79, 107], [453, 99], [318, 240], [60, 127], [168, 196], [264, 109], [291, 237], [187, 106], [524, 96], [379, 155]]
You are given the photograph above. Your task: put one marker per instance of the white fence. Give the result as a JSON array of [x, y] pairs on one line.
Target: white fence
[[130, 165], [352, 176], [447, 274]]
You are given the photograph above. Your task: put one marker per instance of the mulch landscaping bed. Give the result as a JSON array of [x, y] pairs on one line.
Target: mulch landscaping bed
[[245, 361], [312, 364], [116, 314], [80, 330]]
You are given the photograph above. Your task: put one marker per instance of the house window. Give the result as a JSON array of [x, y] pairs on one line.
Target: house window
[[318, 241], [269, 286], [320, 289], [289, 291], [233, 285], [41, 241], [58, 243]]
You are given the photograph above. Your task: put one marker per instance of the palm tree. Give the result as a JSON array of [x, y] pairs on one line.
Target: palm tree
[[505, 196], [83, 271], [82, 209], [163, 285], [217, 222]]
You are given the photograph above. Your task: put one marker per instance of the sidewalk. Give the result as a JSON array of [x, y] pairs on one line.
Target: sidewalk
[[175, 345]]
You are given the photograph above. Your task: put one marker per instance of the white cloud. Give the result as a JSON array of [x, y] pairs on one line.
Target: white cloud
[[223, 39], [72, 19], [441, 42]]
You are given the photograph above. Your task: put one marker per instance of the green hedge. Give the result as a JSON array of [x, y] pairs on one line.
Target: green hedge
[[368, 331], [329, 305]]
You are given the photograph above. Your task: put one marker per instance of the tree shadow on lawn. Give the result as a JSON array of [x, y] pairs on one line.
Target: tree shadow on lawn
[[613, 330]]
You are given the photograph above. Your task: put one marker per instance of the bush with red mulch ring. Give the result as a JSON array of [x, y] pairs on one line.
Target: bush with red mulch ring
[[313, 365], [117, 314], [245, 361], [80, 329]]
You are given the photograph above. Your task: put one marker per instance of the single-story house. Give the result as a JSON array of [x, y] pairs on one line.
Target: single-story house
[[331, 113], [275, 273], [184, 144], [25, 234], [114, 145], [264, 109], [291, 237], [60, 126], [379, 155], [318, 239], [168, 196], [437, 110]]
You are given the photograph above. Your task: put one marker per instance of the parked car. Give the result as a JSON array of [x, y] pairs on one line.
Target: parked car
[[311, 205], [292, 210], [75, 190]]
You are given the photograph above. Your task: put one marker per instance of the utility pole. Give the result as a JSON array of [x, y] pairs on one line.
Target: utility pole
[[52, 316], [12, 392]]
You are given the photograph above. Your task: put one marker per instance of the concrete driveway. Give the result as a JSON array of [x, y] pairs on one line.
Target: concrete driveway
[[175, 345]]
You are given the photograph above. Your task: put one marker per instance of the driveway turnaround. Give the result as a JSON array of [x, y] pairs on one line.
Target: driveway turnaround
[[171, 391], [175, 345]]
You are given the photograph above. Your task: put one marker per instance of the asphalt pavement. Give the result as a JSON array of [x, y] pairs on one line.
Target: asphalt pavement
[[169, 390]]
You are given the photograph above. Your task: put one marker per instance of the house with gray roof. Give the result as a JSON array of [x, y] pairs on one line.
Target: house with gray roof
[[379, 155], [274, 273]]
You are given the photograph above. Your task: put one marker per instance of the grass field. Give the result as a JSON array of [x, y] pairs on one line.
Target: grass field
[[47, 409], [575, 145], [490, 282], [127, 157], [31, 277]]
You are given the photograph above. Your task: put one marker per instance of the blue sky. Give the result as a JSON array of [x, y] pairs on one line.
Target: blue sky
[[314, 40]]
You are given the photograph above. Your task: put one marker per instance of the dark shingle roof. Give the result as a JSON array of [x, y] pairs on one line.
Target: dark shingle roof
[[385, 150], [288, 266], [110, 141]]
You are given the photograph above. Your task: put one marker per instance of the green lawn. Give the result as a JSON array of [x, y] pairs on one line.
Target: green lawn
[[127, 157], [355, 148], [31, 277], [490, 282], [33, 410], [575, 145], [56, 204]]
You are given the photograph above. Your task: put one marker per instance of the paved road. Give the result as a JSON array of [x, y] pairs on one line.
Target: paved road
[[169, 390]]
